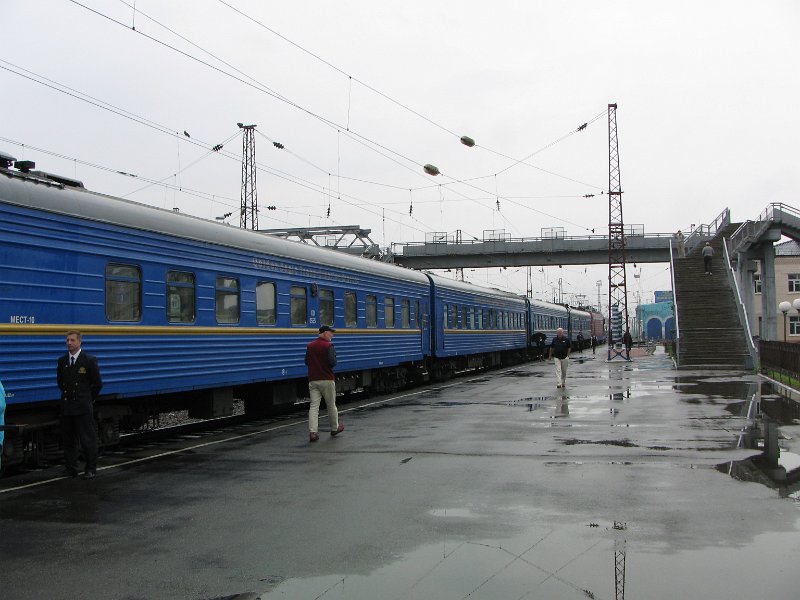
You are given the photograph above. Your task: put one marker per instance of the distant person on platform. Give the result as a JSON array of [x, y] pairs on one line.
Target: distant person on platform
[[559, 352], [681, 244], [78, 377], [627, 340], [708, 252], [579, 339], [594, 344], [320, 359]]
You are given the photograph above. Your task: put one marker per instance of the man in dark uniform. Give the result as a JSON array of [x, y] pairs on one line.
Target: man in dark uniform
[[79, 381]]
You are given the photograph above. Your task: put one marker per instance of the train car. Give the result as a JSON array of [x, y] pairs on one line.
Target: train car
[[182, 312], [474, 327], [579, 328], [543, 320], [598, 326]]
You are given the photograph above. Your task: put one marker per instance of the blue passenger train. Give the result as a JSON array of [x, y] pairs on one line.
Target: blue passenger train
[[187, 313]]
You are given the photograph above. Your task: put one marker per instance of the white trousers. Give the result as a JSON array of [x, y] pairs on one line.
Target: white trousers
[[561, 369], [322, 388]]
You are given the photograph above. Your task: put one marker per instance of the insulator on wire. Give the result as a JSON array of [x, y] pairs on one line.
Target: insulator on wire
[[278, 145], [431, 169], [467, 141]]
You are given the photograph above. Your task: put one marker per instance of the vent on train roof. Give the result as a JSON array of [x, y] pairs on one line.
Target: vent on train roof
[[67, 181]]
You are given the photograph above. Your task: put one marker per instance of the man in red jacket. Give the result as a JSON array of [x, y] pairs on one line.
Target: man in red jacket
[[320, 359]]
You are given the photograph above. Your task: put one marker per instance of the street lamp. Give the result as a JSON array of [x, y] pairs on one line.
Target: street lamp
[[784, 307]]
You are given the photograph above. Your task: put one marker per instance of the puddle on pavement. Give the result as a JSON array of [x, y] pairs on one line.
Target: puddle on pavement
[[592, 559]]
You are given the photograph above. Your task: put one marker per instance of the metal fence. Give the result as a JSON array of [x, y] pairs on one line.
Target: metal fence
[[780, 356]]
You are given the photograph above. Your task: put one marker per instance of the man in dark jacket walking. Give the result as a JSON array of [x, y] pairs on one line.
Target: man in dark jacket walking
[[78, 377], [320, 359], [559, 351]]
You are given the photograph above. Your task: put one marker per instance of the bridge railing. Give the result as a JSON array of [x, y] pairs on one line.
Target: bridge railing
[[458, 238], [749, 232]]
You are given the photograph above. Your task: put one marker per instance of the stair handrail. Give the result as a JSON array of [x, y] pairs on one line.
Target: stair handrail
[[674, 303], [707, 231], [740, 308]]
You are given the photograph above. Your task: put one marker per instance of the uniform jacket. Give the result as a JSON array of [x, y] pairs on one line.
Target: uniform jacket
[[79, 384]]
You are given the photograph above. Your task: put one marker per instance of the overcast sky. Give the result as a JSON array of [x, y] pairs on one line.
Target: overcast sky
[[363, 93]]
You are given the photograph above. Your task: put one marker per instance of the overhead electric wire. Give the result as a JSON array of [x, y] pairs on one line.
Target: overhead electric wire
[[353, 135]]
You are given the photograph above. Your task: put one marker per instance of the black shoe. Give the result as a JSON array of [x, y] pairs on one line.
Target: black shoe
[[89, 475], [67, 472], [339, 430]]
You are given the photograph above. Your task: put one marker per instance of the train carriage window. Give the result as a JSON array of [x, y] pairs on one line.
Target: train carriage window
[[463, 317], [298, 304], [480, 318], [227, 300], [452, 315], [405, 313], [350, 310], [180, 297], [123, 292], [388, 312], [265, 303], [417, 320], [326, 307], [372, 311]]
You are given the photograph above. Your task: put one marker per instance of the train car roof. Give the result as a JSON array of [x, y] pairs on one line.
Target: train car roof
[[37, 191], [471, 288], [548, 305]]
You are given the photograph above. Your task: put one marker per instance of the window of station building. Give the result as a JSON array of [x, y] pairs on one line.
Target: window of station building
[[794, 282], [226, 300], [405, 313], [123, 292], [326, 307], [794, 325], [350, 309], [265, 303], [180, 297], [757, 283], [372, 311], [298, 304], [388, 312]]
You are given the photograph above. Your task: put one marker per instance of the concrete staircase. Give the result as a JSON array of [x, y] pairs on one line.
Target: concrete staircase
[[710, 333]]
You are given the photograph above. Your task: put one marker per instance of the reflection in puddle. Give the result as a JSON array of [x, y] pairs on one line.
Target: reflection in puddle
[[775, 467]]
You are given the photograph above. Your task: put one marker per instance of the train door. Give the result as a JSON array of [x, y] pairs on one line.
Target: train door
[[423, 323]]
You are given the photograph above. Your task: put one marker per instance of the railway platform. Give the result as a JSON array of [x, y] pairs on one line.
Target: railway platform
[[636, 478]]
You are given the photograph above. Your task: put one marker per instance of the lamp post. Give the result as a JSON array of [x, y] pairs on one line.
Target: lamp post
[[784, 307]]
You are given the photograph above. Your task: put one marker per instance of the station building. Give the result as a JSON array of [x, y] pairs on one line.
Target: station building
[[787, 288]]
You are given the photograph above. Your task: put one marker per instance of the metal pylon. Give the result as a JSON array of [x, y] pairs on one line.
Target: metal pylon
[[249, 209], [617, 283]]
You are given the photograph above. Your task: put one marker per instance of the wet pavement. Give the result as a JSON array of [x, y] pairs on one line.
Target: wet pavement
[[495, 486]]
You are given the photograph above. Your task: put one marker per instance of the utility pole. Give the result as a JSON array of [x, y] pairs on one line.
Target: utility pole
[[249, 210], [617, 284]]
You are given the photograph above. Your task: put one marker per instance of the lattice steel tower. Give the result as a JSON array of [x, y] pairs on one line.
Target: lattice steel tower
[[249, 210], [617, 283]]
